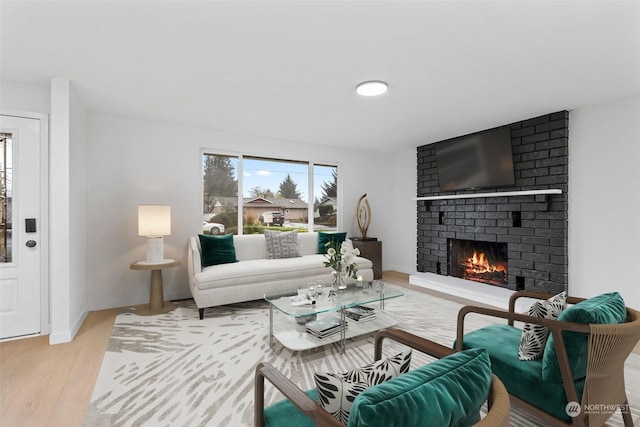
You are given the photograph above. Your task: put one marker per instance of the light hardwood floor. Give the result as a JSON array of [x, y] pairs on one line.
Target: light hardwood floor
[[51, 385], [43, 385]]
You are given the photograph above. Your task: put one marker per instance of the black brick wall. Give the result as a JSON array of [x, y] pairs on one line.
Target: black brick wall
[[537, 248]]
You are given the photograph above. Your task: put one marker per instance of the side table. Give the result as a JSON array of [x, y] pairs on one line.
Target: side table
[[371, 249], [157, 304]]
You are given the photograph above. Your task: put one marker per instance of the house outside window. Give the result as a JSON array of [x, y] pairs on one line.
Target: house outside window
[[275, 195]]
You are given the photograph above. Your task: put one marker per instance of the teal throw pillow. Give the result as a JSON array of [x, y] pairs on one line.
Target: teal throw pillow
[[447, 392], [335, 238], [607, 308], [216, 250]]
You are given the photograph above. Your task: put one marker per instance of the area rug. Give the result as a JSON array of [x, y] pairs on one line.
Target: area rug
[[177, 370]]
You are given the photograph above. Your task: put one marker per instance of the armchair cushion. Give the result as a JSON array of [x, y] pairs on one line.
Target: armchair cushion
[[607, 308], [286, 414], [447, 392], [522, 379]]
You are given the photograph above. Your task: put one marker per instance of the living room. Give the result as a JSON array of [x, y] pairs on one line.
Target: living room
[[108, 155]]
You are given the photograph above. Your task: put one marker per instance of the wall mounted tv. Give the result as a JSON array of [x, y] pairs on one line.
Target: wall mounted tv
[[479, 160]]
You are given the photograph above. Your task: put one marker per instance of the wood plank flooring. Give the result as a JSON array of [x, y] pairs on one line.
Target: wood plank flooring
[[51, 385], [43, 385]]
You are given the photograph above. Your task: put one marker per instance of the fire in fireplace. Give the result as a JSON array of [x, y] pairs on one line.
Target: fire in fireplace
[[479, 261]]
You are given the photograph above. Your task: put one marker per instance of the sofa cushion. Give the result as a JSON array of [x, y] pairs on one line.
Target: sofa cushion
[[447, 392], [217, 250], [281, 244], [534, 337], [336, 392], [523, 379], [267, 270], [335, 239], [603, 309]]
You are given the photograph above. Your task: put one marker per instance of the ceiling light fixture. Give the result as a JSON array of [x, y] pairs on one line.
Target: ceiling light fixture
[[371, 88]]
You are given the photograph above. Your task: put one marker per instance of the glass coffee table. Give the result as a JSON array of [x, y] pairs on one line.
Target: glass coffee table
[[288, 322]]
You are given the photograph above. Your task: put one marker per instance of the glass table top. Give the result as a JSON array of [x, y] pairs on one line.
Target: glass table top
[[349, 297]]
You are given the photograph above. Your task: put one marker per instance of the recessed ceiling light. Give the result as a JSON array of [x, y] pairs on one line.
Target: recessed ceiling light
[[371, 88]]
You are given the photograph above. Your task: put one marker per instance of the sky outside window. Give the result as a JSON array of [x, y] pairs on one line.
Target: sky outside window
[[269, 174]]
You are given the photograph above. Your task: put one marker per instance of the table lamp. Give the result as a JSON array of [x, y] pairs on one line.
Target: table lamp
[[154, 222]]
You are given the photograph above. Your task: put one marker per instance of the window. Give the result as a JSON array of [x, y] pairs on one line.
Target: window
[[220, 194], [276, 194], [6, 195]]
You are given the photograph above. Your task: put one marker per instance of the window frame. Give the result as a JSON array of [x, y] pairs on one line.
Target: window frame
[[240, 178]]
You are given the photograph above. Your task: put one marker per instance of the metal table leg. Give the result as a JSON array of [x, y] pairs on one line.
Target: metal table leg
[[343, 329], [271, 325]]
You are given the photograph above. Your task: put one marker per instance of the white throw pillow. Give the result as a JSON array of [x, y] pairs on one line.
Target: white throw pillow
[[336, 392], [534, 337], [281, 244]]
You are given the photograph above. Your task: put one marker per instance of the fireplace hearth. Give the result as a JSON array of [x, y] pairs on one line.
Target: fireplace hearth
[[479, 261]]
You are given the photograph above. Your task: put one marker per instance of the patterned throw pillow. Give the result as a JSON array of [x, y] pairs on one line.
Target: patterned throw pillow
[[534, 337], [281, 244], [336, 392]]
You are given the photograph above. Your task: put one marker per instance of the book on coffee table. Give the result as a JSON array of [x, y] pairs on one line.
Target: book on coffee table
[[325, 326], [360, 313]]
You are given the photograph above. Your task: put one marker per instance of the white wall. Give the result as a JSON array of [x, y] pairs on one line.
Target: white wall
[[604, 200], [134, 162], [78, 192], [59, 222], [29, 98], [67, 187], [399, 250]]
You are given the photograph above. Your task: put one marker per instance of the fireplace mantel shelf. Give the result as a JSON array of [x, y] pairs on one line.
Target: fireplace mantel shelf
[[495, 194]]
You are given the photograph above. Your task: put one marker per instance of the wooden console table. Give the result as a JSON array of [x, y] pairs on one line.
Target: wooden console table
[[157, 304], [371, 250]]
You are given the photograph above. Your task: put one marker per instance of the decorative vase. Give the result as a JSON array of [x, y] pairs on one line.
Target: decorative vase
[[339, 282]]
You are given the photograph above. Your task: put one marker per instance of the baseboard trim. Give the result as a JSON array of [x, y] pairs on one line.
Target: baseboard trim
[[68, 336]]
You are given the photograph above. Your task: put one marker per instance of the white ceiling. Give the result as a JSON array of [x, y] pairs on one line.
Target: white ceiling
[[288, 69]]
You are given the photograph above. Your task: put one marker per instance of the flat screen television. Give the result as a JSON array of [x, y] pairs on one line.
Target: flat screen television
[[479, 160]]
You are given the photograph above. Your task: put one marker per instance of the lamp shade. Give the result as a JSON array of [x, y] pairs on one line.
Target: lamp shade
[[154, 220]]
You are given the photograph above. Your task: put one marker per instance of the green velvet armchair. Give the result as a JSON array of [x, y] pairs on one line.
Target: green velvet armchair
[[434, 394], [582, 367]]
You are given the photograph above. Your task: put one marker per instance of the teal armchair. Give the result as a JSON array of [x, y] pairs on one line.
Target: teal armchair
[[447, 392], [583, 361]]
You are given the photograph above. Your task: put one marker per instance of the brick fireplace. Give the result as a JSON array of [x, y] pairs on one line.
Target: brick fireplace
[[530, 231]]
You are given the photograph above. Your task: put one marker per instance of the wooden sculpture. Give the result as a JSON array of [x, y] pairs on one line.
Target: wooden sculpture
[[363, 215]]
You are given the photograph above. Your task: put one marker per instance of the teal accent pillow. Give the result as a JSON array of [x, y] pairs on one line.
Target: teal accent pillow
[[325, 237], [607, 308], [447, 392], [216, 250]]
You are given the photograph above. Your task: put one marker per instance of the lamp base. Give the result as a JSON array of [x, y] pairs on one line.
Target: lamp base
[[155, 250]]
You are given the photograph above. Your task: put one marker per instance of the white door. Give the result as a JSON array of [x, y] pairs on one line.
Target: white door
[[20, 228]]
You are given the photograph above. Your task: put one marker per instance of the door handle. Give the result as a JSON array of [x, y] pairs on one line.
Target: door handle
[[31, 243]]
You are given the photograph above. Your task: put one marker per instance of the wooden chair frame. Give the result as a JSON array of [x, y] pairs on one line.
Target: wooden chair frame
[[498, 399], [600, 366]]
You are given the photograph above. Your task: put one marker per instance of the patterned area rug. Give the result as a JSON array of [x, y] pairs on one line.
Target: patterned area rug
[[177, 370]]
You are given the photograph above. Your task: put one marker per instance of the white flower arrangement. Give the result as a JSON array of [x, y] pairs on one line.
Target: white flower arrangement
[[342, 261]]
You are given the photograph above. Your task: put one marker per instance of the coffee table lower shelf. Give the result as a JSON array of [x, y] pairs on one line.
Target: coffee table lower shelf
[[293, 336]]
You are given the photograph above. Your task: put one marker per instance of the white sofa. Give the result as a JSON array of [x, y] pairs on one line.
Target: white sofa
[[255, 275]]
